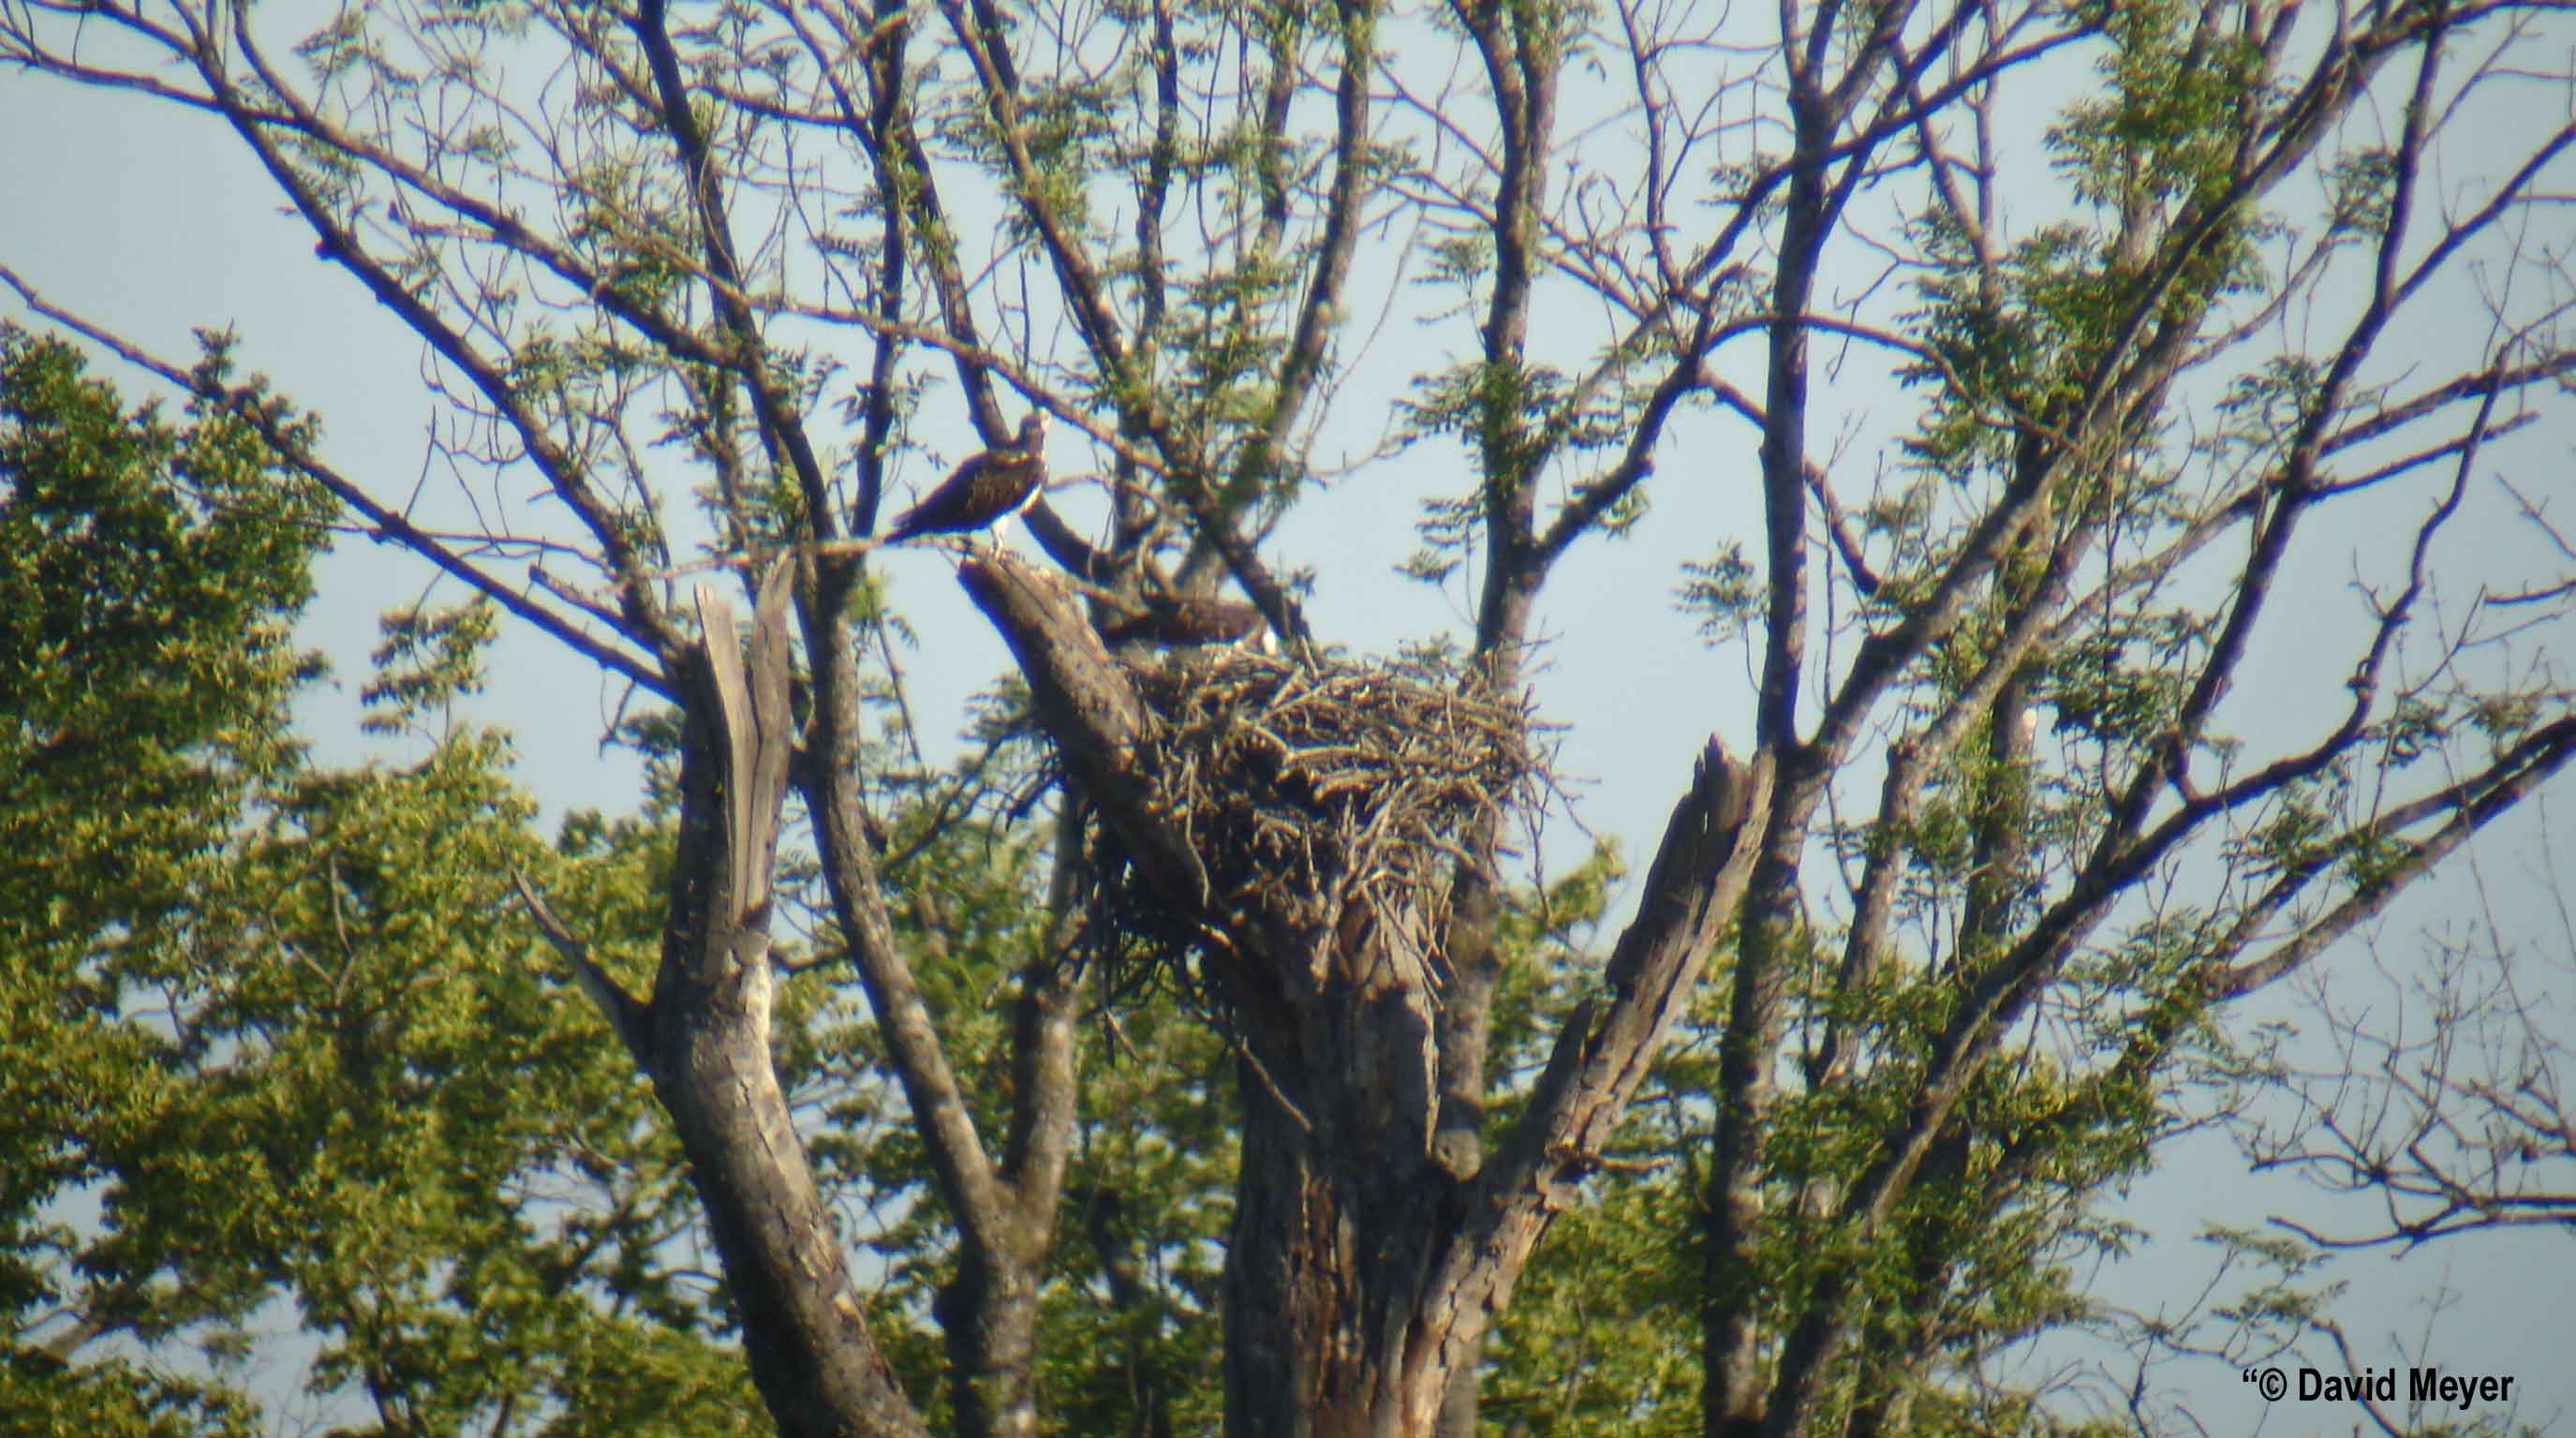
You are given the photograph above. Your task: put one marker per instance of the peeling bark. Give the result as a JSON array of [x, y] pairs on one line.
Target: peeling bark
[[810, 1351]]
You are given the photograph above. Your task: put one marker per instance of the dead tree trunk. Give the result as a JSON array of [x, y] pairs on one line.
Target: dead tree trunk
[[1339, 1206], [704, 1039], [709, 1053], [1362, 1273]]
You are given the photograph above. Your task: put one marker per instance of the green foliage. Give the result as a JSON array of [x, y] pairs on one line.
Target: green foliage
[[2151, 155], [1130, 1303], [1601, 1338], [48, 1398], [148, 574], [1723, 592], [1516, 419], [427, 661], [274, 1039], [147, 578], [2162, 127], [377, 1105], [1134, 1307]]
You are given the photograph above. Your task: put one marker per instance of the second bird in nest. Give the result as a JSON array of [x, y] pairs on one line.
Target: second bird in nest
[[1174, 623]]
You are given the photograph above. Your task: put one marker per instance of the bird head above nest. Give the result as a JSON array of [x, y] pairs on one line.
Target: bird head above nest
[[1186, 621]]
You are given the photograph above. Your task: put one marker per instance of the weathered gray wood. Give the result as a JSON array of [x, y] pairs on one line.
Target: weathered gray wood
[[810, 1351]]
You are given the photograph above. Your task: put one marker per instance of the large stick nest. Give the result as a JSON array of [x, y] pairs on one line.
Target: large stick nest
[[1302, 790]]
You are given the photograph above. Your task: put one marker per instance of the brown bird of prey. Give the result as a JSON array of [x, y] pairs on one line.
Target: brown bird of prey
[[1171, 623], [984, 491]]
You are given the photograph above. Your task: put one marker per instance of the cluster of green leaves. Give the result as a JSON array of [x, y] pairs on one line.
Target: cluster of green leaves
[[1517, 420], [1602, 1336], [275, 1051], [2148, 155], [1982, 1251], [1134, 1314], [147, 576]]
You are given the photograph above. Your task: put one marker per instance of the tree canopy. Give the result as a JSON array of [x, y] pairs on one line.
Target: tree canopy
[[2099, 435]]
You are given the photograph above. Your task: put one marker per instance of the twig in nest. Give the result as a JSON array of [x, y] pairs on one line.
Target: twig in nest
[[1301, 791], [1270, 1085]]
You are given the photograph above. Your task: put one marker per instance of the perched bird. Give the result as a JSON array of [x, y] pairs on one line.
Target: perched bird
[[1171, 623], [984, 491]]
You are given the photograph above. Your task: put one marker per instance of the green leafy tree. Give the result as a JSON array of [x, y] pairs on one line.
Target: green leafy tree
[[272, 1035], [2046, 360], [148, 573]]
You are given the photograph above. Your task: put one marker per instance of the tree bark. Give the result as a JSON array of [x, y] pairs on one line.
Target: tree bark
[[809, 1349], [1339, 1205], [1363, 1273]]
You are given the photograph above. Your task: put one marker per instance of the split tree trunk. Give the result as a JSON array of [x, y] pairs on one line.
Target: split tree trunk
[[704, 1038]]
